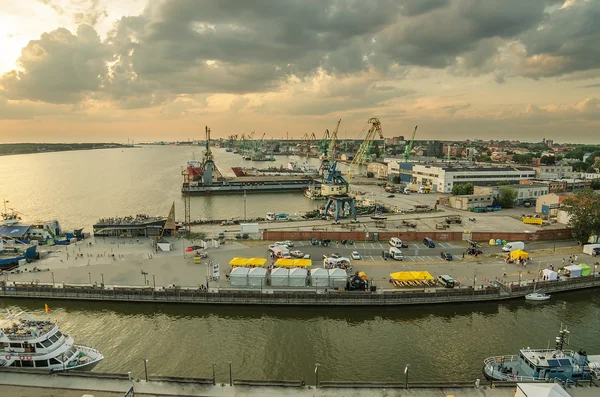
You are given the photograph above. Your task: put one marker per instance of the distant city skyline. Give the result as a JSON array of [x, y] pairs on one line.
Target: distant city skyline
[[108, 71]]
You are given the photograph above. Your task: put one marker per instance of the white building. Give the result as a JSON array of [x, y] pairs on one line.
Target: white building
[[379, 170], [525, 192], [549, 172], [443, 178]]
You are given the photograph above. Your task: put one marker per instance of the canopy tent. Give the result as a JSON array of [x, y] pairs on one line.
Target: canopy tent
[[540, 390], [260, 262], [585, 269], [280, 277], [282, 262], [239, 261], [550, 274], [298, 277], [574, 270], [519, 254], [252, 262], [338, 278], [319, 277], [257, 277], [411, 276], [239, 277]]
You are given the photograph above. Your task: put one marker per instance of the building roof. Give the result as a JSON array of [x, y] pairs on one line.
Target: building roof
[[13, 231], [484, 169], [525, 186]]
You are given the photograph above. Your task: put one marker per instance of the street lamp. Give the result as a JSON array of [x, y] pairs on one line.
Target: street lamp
[[214, 378], [146, 368], [317, 365], [406, 368], [63, 361], [52, 279], [102, 276], [90, 277], [230, 376], [154, 281]]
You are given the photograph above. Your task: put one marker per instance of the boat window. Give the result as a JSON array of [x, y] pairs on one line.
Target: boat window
[[17, 345], [41, 363], [3, 345], [58, 334], [39, 345], [54, 361], [27, 363], [53, 338], [16, 363], [46, 343], [69, 353]]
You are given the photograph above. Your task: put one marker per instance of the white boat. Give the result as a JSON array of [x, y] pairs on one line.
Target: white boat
[[39, 344], [537, 296], [9, 216]]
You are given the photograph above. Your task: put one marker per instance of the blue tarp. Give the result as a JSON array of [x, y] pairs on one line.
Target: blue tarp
[[13, 231]]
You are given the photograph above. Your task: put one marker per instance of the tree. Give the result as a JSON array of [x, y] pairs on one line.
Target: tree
[[460, 189], [507, 197], [583, 209], [595, 184], [396, 179], [548, 160]]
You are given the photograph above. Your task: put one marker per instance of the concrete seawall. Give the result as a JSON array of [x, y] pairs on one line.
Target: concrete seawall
[[62, 384], [307, 297]]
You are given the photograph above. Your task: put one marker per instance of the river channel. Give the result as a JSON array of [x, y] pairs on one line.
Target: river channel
[[445, 342]]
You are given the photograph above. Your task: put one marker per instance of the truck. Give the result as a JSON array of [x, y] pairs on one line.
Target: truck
[[454, 219], [509, 247], [396, 254]]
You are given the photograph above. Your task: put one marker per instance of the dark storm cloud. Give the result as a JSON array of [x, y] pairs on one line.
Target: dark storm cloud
[[236, 46]]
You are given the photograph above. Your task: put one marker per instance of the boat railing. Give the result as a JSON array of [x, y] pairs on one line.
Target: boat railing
[[492, 364]]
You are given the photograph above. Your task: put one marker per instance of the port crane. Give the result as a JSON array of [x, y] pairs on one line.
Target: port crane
[[409, 146], [364, 151]]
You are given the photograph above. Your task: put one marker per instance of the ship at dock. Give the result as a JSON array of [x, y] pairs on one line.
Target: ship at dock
[[204, 177]]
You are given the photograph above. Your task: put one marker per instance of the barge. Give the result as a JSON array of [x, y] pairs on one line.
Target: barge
[[205, 178]]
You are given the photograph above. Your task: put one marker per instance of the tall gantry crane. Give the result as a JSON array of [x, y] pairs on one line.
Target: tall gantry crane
[[409, 146], [364, 151]]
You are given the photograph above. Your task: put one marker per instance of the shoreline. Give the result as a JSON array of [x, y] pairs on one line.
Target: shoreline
[[117, 146]]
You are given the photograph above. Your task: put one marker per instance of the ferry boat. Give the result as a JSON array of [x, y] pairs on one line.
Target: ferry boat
[[544, 365], [39, 344]]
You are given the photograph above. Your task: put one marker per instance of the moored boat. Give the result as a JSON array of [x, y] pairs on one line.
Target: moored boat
[[39, 344], [544, 364], [537, 296]]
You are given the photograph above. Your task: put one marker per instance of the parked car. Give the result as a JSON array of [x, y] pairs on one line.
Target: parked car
[[447, 256], [221, 235], [306, 256], [281, 244], [355, 255], [297, 254], [288, 243], [429, 242]]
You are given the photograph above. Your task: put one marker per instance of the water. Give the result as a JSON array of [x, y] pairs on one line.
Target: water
[[80, 187], [440, 342]]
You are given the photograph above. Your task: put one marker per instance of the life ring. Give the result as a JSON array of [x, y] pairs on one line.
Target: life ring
[[22, 358], [29, 358], [7, 357]]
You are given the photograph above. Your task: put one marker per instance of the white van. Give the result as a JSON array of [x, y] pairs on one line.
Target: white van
[[396, 254], [396, 242], [509, 247]]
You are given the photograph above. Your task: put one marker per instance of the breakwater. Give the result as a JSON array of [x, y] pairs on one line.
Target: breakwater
[[309, 297]]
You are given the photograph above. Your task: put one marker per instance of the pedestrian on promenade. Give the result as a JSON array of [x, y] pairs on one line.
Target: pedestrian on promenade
[[563, 262]]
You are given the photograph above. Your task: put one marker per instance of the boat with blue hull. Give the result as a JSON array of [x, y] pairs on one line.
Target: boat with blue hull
[[11, 255], [544, 365]]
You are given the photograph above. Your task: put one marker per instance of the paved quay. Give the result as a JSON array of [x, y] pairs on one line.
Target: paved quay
[[13, 384], [133, 262]]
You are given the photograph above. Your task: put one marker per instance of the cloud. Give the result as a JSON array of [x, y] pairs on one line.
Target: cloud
[[58, 68]]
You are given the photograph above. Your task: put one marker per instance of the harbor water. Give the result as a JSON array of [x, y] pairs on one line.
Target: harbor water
[[446, 342], [80, 187], [442, 342]]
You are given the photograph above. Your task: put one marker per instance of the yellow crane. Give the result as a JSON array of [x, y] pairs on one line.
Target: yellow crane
[[362, 155]]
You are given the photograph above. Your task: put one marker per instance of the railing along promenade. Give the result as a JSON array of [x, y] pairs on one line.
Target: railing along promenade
[[309, 296]]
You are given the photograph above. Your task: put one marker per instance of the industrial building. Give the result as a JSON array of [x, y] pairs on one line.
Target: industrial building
[[549, 172], [443, 178], [379, 170], [470, 201], [525, 191]]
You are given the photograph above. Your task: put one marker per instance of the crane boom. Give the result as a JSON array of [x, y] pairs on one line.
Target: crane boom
[[409, 147], [331, 148], [364, 150]]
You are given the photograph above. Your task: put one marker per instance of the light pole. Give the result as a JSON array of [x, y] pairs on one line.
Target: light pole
[[102, 277], [144, 273], [52, 279], [146, 368], [230, 376], [406, 369], [154, 281], [90, 277], [317, 365], [63, 361], [214, 378]]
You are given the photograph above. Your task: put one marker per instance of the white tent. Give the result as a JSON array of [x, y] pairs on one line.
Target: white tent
[[239, 277], [280, 277], [319, 277], [550, 274], [589, 248], [298, 277], [540, 390], [257, 277], [574, 270], [337, 278]]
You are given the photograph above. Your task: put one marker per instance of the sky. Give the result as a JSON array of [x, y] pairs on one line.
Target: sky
[[113, 71]]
